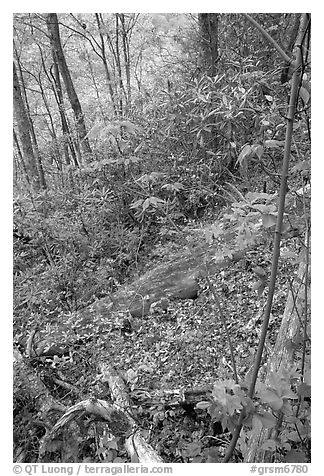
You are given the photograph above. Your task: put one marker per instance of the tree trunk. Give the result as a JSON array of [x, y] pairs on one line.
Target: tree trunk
[[19, 162], [286, 71], [24, 133], [208, 25], [52, 129], [118, 63], [53, 29], [60, 103], [33, 137], [126, 40]]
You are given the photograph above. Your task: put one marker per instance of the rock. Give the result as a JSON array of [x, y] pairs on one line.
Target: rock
[[187, 289]]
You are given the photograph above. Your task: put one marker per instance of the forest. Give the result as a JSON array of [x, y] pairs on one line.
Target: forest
[[161, 238]]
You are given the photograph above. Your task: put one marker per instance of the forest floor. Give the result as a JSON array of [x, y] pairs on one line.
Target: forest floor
[[185, 348], [178, 349]]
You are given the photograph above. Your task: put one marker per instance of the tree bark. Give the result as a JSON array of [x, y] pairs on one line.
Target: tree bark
[[19, 162], [39, 165], [118, 63], [24, 133], [54, 33], [208, 25], [60, 103], [126, 43]]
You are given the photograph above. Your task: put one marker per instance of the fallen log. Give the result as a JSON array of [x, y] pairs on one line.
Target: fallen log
[[28, 382], [138, 449], [28, 385], [118, 417]]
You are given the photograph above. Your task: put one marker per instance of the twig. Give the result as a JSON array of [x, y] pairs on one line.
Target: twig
[[66, 385]]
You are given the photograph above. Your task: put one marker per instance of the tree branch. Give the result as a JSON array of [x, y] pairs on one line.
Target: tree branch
[[269, 38]]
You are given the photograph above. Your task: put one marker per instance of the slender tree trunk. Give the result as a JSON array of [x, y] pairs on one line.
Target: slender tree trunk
[[208, 25], [53, 29], [125, 40], [119, 69], [94, 81], [100, 24], [33, 137], [114, 49], [60, 103], [20, 158], [36, 153], [51, 128], [24, 133]]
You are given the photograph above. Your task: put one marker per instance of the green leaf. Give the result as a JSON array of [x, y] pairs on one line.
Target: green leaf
[[146, 204], [302, 165], [288, 393], [304, 390], [257, 149], [304, 94], [265, 209], [173, 187], [134, 458], [112, 444], [266, 419], [295, 456], [192, 449], [129, 127], [155, 201], [137, 204], [204, 405], [268, 220], [269, 445], [134, 159], [111, 129], [101, 451], [272, 399], [259, 286], [293, 436], [273, 144], [95, 131], [244, 154], [285, 227], [213, 232], [213, 455], [260, 272]]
